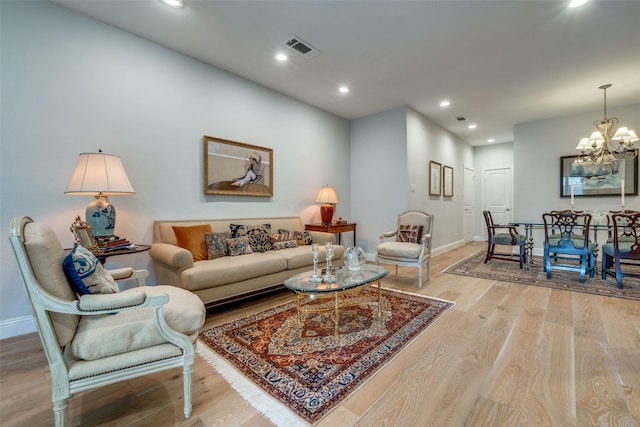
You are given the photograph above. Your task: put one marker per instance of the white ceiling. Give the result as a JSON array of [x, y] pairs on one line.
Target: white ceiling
[[499, 62]]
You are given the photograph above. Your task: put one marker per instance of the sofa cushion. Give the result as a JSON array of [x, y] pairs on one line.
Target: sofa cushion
[[302, 238], [107, 335], [192, 239], [216, 244], [86, 274], [239, 246], [222, 271]]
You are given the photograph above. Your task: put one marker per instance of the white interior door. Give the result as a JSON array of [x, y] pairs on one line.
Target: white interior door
[[469, 194], [497, 188]]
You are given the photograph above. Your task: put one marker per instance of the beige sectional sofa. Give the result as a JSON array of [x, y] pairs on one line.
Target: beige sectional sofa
[[231, 278]]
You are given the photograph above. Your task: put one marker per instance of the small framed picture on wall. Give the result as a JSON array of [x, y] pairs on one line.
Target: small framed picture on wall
[[435, 172], [447, 181]]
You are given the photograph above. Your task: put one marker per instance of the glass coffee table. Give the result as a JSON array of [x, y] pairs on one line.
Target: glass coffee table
[[346, 281]]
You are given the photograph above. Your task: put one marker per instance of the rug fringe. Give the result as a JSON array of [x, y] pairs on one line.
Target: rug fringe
[[275, 411]]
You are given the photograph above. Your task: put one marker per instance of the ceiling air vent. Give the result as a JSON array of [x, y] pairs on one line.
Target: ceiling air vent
[[302, 47], [461, 119]]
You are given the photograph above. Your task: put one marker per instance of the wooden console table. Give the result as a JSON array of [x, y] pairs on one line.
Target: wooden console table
[[334, 228]]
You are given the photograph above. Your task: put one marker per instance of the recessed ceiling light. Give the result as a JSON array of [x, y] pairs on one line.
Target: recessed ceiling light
[[445, 103], [577, 3], [343, 89], [174, 3], [281, 57], [491, 140], [473, 126]]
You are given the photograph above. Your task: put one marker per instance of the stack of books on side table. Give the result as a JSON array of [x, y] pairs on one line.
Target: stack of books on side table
[[112, 243]]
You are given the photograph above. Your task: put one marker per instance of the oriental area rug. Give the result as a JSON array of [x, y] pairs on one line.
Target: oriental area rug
[[508, 271], [296, 372]]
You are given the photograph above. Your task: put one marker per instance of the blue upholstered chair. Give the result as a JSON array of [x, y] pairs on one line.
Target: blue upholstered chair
[[623, 248], [504, 235], [566, 243]]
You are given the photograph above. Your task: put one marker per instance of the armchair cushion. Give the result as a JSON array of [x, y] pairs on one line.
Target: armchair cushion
[[86, 274], [107, 335], [410, 233], [399, 250]]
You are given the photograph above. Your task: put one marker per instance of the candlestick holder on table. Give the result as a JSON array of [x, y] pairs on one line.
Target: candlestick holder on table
[[329, 277], [315, 277]]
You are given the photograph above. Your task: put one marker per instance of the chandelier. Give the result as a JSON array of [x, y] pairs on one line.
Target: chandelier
[[599, 148]]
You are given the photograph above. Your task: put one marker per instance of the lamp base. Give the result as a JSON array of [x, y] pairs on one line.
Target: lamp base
[[326, 213], [101, 216]]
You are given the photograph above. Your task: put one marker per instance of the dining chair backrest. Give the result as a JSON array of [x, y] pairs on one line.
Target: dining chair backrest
[[567, 228]]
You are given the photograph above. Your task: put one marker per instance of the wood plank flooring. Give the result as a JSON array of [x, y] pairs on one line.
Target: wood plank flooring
[[506, 355]]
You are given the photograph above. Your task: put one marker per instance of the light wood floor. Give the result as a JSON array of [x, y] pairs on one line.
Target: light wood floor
[[506, 355]]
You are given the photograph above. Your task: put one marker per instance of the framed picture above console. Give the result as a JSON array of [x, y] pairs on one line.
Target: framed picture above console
[[234, 168]]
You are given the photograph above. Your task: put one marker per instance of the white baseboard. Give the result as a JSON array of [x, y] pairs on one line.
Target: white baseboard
[[17, 326]]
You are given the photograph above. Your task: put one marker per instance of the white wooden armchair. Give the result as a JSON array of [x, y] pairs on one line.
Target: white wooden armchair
[[411, 244], [97, 340]]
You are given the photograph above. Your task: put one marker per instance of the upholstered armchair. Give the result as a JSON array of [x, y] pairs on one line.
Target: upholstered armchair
[[566, 243], [623, 248], [409, 244], [504, 235], [99, 339]]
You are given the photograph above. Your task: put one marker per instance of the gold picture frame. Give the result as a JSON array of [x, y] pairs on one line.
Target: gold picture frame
[[234, 168], [84, 236], [435, 174], [447, 181]]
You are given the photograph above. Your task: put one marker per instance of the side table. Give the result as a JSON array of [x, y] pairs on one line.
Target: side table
[[334, 228], [102, 257]]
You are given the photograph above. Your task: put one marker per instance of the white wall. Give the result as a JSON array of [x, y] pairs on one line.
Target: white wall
[[426, 141], [71, 84], [538, 147], [378, 174]]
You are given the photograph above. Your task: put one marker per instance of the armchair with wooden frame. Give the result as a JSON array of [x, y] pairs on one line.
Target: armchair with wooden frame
[[411, 244], [623, 248], [504, 235], [94, 340]]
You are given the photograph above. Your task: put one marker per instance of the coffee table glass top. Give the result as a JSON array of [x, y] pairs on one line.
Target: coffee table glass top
[[345, 279]]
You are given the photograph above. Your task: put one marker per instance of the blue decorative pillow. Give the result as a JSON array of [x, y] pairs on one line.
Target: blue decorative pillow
[[85, 273]]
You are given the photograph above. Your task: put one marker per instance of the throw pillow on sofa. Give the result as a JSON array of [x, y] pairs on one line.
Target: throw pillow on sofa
[[284, 244], [239, 246], [216, 244], [86, 274], [192, 239], [258, 235], [302, 238]]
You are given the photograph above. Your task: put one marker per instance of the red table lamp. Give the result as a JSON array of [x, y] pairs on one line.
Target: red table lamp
[[328, 197]]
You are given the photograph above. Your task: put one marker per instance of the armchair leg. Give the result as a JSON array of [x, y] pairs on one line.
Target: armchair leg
[[60, 412], [186, 377], [420, 276]]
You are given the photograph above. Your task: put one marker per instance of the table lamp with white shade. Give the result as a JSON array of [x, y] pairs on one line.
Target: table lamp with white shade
[[100, 175], [328, 197]]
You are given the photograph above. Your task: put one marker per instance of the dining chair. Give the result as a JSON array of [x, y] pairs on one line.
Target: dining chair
[[624, 247], [96, 339], [566, 243], [409, 244], [504, 235]]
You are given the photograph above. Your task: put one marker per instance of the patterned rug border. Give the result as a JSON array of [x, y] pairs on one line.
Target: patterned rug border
[[608, 290], [277, 412]]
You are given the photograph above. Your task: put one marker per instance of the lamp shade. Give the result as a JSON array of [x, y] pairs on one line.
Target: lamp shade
[[97, 173], [327, 195]]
